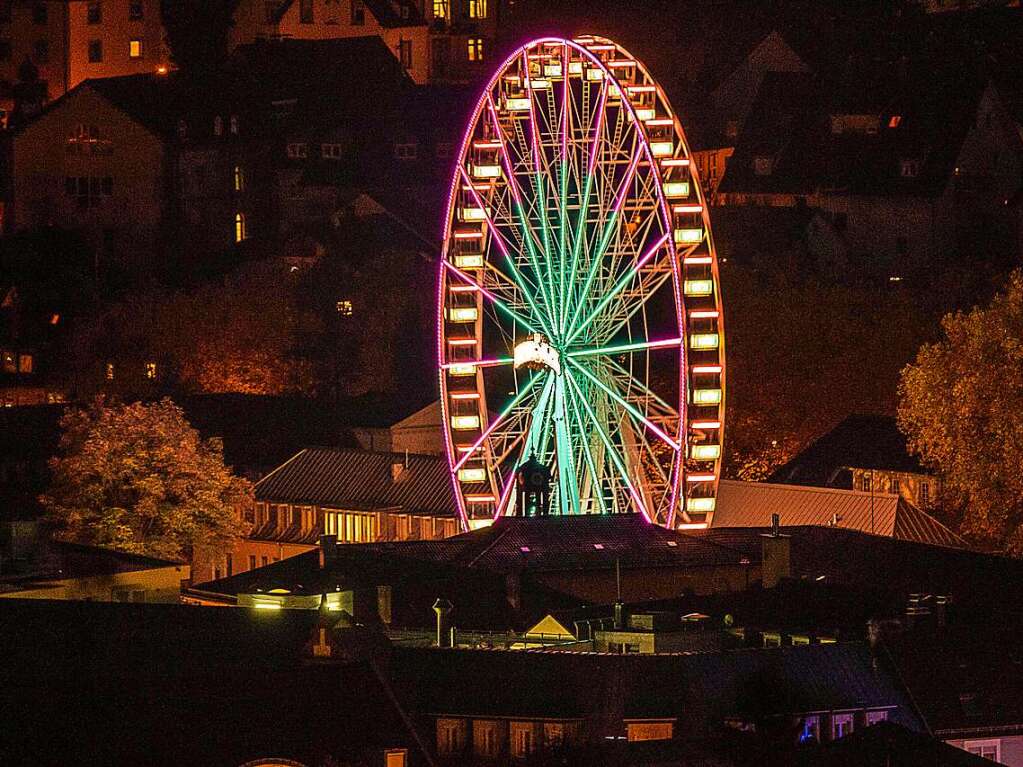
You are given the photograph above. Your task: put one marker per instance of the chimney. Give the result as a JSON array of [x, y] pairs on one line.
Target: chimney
[[443, 609], [619, 615], [328, 550], [775, 561]]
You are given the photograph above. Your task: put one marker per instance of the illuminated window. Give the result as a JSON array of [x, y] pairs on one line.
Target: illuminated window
[[989, 749], [135, 10], [218, 125], [110, 371], [54, 319], [396, 757], [523, 740], [440, 9], [151, 370], [477, 9], [344, 308], [9, 362], [925, 493], [134, 49], [475, 49], [841, 725], [811, 732], [305, 12], [95, 51], [297, 151], [406, 151], [894, 121], [873, 717], [239, 178], [896, 485], [358, 13], [405, 53], [650, 730], [24, 363], [94, 13], [239, 227], [867, 484]]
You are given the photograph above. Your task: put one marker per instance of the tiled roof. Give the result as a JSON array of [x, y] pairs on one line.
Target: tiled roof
[[384, 11], [752, 504], [359, 479]]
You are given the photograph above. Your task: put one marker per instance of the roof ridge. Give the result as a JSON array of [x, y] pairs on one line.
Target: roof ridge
[[813, 489]]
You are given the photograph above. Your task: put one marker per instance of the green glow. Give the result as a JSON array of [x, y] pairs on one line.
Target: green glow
[[595, 483], [598, 257], [622, 348], [568, 491], [527, 236]]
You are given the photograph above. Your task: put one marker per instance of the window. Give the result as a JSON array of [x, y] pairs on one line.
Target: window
[[873, 717], [475, 49], [239, 179], [989, 749], [239, 227], [811, 732], [396, 757], [925, 493], [485, 738], [405, 53], [151, 370], [89, 190], [135, 10], [230, 565], [297, 151], [330, 151], [894, 120], [266, 561], [94, 13], [95, 51], [41, 51], [841, 725], [344, 308], [234, 124], [650, 730], [39, 13], [763, 166], [896, 485], [406, 151], [909, 168], [477, 9], [109, 372], [9, 362], [451, 735], [523, 741], [134, 49], [252, 561], [5, 50], [358, 13], [866, 483], [218, 126], [440, 9], [305, 12]]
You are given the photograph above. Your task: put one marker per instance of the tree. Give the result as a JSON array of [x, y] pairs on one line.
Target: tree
[[961, 408], [138, 478]]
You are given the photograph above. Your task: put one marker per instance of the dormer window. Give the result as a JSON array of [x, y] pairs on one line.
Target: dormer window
[[909, 168], [763, 166], [407, 150], [297, 150], [894, 121]]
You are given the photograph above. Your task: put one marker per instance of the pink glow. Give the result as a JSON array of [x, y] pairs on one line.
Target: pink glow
[[502, 504]]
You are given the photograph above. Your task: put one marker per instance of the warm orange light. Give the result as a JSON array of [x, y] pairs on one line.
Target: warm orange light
[[162, 69]]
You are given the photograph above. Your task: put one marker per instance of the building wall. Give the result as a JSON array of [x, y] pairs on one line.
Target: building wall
[[122, 225], [1009, 747], [910, 485], [59, 48], [161, 584], [246, 554], [710, 167]]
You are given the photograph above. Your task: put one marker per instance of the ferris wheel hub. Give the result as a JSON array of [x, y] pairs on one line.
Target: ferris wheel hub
[[536, 353]]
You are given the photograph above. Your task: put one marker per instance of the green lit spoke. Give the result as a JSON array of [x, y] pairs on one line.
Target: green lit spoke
[[596, 488], [568, 490], [533, 447]]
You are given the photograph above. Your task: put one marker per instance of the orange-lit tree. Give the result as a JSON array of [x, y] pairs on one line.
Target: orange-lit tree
[[962, 410], [138, 478]]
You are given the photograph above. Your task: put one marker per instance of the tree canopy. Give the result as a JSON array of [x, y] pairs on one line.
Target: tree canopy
[[961, 407], [138, 478]]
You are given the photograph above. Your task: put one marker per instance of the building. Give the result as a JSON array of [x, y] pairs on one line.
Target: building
[[69, 41], [878, 512], [435, 41], [76, 572], [866, 453]]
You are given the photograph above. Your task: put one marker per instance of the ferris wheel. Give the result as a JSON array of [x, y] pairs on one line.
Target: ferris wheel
[[579, 309]]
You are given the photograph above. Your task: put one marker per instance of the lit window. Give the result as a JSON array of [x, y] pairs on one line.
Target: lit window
[[239, 178], [24, 363], [54, 319], [477, 9], [110, 371], [239, 227], [894, 121], [396, 757], [94, 13], [475, 49], [866, 483], [358, 13], [135, 49], [896, 485], [297, 151], [873, 717], [405, 53], [95, 51], [406, 151], [440, 9], [925, 493], [344, 308], [330, 151], [9, 362], [811, 732], [841, 725], [989, 749], [151, 370]]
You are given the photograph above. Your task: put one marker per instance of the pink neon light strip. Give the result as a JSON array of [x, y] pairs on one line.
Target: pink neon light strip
[[502, 504]]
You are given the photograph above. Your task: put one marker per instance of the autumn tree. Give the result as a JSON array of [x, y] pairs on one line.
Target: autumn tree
[[138, 478], [961, 408]]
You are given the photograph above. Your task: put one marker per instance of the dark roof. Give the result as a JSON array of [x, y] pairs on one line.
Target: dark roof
[[700, 690], [885, 744], [360, 479], [384, 11], [76, 560], [860, 441]]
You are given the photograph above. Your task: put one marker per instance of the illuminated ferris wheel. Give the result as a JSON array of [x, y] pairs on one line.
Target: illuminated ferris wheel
[[580, 316]]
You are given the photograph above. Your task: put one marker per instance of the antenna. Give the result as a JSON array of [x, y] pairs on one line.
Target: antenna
[[618, 577]]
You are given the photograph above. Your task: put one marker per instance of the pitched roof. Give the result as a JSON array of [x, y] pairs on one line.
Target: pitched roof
[[76, 560], [361, 479], [384, 11], [860, 441], [752, 504]]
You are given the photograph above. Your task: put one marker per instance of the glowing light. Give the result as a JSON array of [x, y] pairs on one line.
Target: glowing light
[[622, 348], [661, 148], [462, 341], [464, 288], [706, 369], [686, 236], [691, 526], [706, 396], [463, 314], [594, 74], [687, 209], [483, 498], [461, 370], [676, 189], [698, 287], [646, 114], [472, 475], [703, 425], [516, 104], [701, 477], [675, 162], [703, 341], [697, 260], [708, 314], [267, 605], [661, 121], [471, 395], [621, 64], [465, 422], [468, 235], [469, 261], [538, 83], [705, 452], [486, 171], [700, 505], [473, 214]]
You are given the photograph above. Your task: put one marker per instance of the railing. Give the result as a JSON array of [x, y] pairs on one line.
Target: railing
[[480, 639]]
